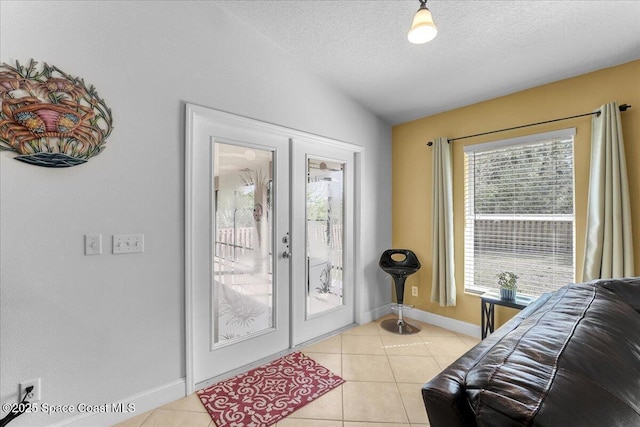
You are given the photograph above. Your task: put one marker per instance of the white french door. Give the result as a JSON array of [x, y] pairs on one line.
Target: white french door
[[264, 204], [322, 238], [238, 215]]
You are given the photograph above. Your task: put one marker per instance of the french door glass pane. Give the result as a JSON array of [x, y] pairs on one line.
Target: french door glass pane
[[324, 215], [242, 288]]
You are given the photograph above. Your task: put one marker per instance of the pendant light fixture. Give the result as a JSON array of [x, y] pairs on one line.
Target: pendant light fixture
[[423, 28]]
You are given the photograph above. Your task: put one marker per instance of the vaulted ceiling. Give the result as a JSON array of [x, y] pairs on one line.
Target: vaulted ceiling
[[484, 49]]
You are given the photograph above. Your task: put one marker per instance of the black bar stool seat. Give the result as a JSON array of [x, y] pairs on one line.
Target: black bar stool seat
[[399, 263]]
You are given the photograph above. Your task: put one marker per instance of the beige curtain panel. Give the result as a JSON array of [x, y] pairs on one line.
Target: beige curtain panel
[[609, 244], [443, 286]]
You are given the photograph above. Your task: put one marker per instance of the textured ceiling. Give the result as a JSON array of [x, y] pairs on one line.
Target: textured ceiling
[[484, 49]]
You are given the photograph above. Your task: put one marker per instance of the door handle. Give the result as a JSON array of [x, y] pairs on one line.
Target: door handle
[[286, 254]]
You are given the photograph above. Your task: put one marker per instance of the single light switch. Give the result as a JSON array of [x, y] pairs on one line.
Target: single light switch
[[93, 244]]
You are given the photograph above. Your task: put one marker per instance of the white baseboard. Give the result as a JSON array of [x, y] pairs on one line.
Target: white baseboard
[[374, 314], [141, 403], [444, 322], [424, 316]]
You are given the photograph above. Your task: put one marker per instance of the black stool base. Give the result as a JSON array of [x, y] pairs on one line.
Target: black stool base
[[399, 327]]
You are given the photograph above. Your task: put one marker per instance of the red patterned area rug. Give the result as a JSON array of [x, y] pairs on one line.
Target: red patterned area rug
[[269, 393]]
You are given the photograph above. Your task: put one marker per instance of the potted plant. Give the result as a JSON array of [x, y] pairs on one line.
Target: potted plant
[[508, 285]]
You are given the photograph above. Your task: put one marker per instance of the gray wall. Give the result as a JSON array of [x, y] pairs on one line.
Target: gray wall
[[98, 329]]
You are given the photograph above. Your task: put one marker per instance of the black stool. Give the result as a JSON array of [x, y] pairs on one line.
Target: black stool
[[399, 263]]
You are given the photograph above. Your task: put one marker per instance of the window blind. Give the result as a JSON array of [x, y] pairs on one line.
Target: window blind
[[519, 212]]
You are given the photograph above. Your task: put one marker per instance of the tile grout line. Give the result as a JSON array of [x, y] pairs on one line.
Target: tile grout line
[[404, 406]]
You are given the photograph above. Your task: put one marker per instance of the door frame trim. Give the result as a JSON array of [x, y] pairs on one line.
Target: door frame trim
[[193, 111]]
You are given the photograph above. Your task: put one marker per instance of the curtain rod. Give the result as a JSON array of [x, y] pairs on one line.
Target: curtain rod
[[623, 107]]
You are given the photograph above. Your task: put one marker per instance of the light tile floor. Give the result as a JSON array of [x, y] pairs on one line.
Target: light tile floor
[[384, 373]]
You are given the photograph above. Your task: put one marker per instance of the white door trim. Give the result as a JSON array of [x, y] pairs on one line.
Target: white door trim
[[191, 113]]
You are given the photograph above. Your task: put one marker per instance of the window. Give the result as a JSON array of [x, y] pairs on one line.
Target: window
[[519, 213]]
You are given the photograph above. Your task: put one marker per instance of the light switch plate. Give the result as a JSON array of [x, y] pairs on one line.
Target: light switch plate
[[128, 243], [93, 244]]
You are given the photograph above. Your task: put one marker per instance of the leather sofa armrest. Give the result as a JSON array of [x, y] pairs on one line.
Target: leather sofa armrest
[[445, 396]]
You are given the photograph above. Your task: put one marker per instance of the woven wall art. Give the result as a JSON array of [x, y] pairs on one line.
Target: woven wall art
[[50, 118]]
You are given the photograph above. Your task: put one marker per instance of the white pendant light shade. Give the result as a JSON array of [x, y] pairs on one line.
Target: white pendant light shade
[[423, 28]]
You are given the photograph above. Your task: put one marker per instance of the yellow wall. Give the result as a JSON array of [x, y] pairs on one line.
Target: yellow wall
[[411, 166]]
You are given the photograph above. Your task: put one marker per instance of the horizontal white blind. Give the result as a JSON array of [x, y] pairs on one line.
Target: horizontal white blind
[[519, 214]]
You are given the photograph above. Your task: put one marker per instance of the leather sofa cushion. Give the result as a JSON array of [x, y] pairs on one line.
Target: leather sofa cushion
[[577, 354], [628, 289]]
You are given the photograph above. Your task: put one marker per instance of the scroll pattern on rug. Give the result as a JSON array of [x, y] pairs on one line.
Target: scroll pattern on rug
[[269, 393]]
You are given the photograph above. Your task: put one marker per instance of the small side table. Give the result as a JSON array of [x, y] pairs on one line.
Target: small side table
[[488, 302]]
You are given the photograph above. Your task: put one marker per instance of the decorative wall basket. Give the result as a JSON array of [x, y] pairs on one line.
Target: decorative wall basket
[[49, 118]]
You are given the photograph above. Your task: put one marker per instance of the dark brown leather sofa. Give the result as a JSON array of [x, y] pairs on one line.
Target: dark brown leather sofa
[[571, 358]]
